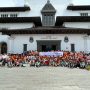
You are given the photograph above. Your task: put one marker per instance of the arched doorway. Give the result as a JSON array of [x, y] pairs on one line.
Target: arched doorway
[[3, 46]]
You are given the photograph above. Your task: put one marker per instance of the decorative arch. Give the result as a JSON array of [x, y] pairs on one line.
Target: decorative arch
[[3, 47]]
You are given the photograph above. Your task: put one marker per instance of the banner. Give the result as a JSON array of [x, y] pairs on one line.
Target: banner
[[51, 54]]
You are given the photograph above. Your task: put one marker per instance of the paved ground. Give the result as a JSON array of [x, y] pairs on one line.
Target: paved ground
[[44, 78]]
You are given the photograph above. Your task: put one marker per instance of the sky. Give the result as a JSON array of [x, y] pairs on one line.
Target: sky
[[77, 2], [8, 3]]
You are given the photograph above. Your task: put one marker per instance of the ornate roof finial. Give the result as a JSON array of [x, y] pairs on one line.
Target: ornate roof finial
[[48, 1]]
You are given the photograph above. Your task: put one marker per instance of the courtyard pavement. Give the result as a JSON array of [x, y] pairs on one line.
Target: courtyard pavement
[[44, 78]]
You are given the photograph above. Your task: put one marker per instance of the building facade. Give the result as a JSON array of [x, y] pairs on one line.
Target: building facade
[[48, 25]]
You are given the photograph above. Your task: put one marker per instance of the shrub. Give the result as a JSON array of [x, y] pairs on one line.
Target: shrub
[[88, 67]]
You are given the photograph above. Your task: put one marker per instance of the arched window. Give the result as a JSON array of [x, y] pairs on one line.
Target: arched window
[[3, 47]]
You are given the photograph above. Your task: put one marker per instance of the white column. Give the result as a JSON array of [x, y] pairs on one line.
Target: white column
[[88, 44], [11, 45], [0, 48], [85, 43]]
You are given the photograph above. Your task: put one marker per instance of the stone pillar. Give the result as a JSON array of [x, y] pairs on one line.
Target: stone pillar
[[85, 43], [11, 45]]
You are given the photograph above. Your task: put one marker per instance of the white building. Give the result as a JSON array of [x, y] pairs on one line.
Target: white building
[[44, 25]]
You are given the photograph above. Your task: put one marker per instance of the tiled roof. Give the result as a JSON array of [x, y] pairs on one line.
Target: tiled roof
[[48, 8], [35, 20], [14, 9], [47, 30], [61, 19], [82, 7]]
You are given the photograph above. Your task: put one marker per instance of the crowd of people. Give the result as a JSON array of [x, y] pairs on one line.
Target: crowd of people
[[33, 58]]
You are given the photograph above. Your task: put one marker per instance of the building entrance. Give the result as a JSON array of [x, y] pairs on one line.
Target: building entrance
[[47, 45]]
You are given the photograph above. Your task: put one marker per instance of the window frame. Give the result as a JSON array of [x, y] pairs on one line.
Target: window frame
[[24, 47], [83, 14], [48, 19]]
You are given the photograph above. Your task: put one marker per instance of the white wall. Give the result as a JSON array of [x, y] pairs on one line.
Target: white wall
[[3, 38], [74, 13], [16, 25], [19, 40], [77, 24], [88, 44], [19, 14]]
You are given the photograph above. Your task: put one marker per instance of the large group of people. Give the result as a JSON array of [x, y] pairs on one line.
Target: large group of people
[[33, 58]]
